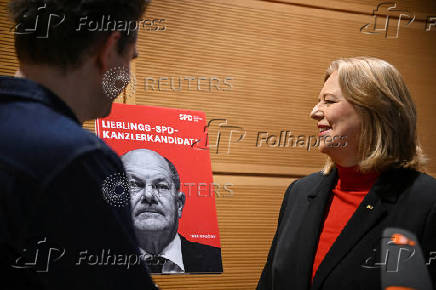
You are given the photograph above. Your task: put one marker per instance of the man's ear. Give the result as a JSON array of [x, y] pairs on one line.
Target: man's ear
[[107, 53], [180, 203]]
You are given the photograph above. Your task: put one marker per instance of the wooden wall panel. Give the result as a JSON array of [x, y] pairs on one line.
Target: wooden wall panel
[[421, 8], [8, 60], [277, 54]]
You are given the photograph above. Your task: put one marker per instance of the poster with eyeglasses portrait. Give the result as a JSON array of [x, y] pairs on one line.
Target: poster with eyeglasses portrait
[[172, 194]]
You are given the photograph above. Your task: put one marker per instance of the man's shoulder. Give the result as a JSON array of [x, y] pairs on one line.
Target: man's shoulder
[[298, 191], [313, 177], [198, 247], [422, 188], [40, 140], [426, 182], [200, 258], [310, 181]]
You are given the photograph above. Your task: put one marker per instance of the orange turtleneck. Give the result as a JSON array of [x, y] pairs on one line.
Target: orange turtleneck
[[351, 188]]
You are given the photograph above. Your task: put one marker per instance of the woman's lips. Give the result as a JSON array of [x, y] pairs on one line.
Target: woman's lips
[[324, 130], [327, 132]]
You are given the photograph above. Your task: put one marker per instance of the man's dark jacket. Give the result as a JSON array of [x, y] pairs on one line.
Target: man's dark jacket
[[400, 198], [52, 208], [199, 258]]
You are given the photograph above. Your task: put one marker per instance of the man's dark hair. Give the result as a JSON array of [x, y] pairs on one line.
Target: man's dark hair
[[56, 40], [174, 174]]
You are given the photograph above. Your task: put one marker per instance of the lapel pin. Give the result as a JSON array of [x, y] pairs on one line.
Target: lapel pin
[[370, 207]]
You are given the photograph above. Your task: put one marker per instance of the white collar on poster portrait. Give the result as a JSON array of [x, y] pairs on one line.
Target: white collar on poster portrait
[[172, 252]]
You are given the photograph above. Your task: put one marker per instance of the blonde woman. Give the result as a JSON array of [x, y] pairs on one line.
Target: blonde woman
[[331, 223]]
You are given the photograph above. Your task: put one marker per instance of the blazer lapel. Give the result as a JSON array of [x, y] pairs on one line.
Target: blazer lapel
[[293, 263], [367, 215]]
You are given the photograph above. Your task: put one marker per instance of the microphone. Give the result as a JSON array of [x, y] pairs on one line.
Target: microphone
[[405, 267]]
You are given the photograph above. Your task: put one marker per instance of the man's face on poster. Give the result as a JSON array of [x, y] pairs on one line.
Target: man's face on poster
[[156, 204]]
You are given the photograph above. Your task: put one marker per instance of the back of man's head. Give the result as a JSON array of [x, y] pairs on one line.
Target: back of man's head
[[62, 32]]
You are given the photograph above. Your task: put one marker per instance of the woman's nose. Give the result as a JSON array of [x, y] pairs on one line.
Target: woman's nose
[[316, 113]]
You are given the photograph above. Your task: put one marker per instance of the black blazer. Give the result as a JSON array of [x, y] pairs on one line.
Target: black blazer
[[200, 258], [400, 198]]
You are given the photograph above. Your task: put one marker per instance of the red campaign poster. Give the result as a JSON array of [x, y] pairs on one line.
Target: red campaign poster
[[143, 136]]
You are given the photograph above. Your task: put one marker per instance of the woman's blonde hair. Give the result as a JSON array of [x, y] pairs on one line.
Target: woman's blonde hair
[[379, 95]]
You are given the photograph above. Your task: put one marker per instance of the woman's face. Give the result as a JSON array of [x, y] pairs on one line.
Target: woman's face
[[338, 124]]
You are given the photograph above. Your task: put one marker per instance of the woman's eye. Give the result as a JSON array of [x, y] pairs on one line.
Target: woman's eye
[[328, 101]]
